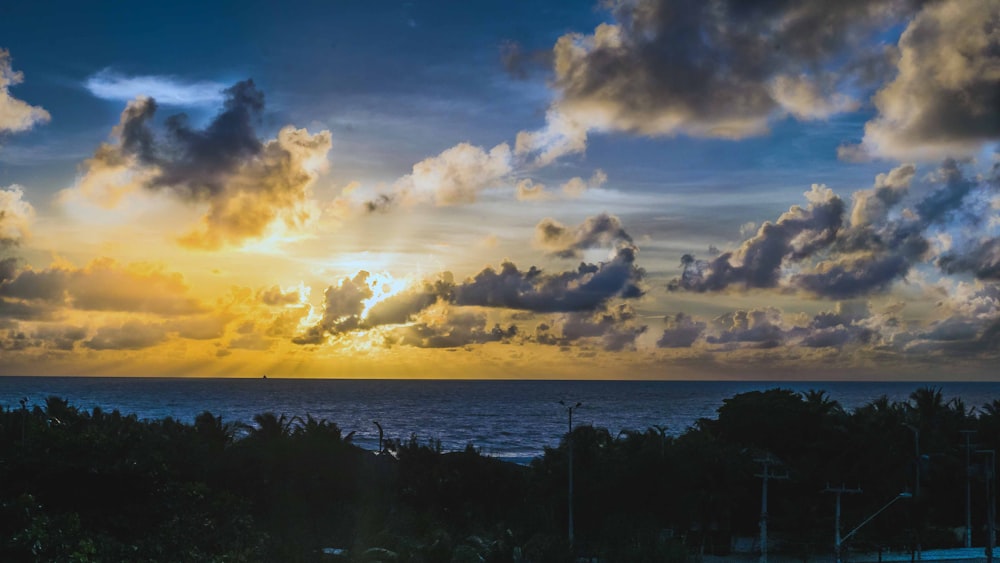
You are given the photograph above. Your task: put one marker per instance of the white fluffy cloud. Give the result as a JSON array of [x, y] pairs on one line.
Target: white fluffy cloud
[[15, 115], [16, 216]]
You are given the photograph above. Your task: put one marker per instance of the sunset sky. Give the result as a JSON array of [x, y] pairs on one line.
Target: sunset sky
[[665, 189]]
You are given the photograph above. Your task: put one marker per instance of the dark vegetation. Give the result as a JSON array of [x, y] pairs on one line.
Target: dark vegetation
[[99, 486]]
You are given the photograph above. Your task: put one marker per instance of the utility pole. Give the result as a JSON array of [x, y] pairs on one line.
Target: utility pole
[[569, 446], [765, 462], [836, 522], [916, 483], [991, 509], [968, 488]]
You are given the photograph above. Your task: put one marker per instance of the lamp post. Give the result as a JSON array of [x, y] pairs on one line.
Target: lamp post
[[569, 445], [839, 540], [991, 509], [968, 489], [916, 443], [916, 484]]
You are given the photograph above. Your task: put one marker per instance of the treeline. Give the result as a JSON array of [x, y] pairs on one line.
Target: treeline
[[79, 485]]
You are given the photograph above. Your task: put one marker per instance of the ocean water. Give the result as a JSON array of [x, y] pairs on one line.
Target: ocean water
[[509, 419]]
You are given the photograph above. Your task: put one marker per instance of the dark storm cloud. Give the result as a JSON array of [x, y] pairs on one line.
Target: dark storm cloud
[[401, 307], [813, 250], [249, 184], [760, 327], [721, 68], [343, 303], [103, 285], [945, 199], [853, 277], [983, 261], [944, 100], [461, 328], [614, 327], [796, 235], [587, 288], [130, 335], [8, 268], [195, 163], [344, 306], [599, 231], [61, 337], [277, 297], [681, 331]]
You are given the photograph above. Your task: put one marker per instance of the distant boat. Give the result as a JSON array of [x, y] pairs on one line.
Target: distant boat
[[265, 376]]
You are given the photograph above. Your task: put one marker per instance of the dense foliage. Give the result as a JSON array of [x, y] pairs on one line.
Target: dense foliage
[[98, 486]]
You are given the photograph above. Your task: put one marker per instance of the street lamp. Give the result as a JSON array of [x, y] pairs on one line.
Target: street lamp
[[916, 442], [916, 484], [991, 510], [968, 488], [569, 445], [839, 541]]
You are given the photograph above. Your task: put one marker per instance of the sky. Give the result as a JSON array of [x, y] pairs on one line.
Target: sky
[[638, 189]]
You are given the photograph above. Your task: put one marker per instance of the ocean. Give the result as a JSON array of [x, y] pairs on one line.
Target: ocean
[[509, 419]]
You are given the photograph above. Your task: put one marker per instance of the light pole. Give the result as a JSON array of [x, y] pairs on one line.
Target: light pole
[[968, 489], [991, 509], [569, 445], [839, 541], [916, 442], [916, 484]]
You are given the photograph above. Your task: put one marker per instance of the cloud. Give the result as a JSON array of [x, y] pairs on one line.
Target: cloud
[[455, 176], [761, 327], [15, 115], [944, 101], [983, 261], [872, 206], [576, 187], [715, 69], [103, 285], [853, 276], [519, 62], [810, 98], [351, 305], [587, 288], [562, 135], [681, 331], [529, 190], [595, 232], [614, 327], [16, 216], [250, 186], [129, 335], [166, 90], [355, 303], [796, 235], [811, 249], [277, 297], [60, 337], [448, 327]]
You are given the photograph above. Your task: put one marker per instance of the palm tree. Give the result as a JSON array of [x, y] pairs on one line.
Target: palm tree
[[269, 426]]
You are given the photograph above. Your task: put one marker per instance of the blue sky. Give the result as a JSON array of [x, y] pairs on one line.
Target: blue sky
[[789, 150]]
